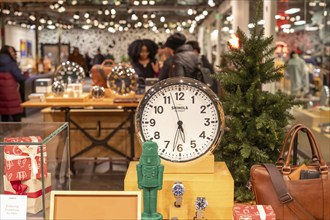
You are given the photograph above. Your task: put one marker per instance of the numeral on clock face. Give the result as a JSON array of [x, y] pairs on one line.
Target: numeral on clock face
[[182, 120]]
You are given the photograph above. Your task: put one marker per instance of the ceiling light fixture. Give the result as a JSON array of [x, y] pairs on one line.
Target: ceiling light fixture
[[292, 11], [104, 2], [285, 26], [145, 15], [32, 17], [86, 15], [42, 20], [129, 11], [277, 17], [113, 11], [211, 3], [153, 15], [76, 16], [205, 13], [261, 22], [301, 22], [136, 3], [190, 11], [74, 2], [144, 2], [106, 12], [86, 27], [162, 19], [152, 2], [134, 17], [51, 27], [99, 12]]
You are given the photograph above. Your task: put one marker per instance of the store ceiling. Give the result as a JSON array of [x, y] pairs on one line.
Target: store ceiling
[[111, 14]]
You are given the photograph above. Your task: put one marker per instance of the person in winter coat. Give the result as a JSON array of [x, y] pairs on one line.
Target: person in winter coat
[[184, 60], [10, 77], [296, 69]]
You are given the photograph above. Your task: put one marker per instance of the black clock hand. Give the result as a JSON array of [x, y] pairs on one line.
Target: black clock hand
[[179, 121], [176, 137], [181, 131]]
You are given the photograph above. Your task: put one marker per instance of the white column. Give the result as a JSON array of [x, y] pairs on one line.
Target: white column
[[241, 14], [218, 47], [270, 9], [269, 12]]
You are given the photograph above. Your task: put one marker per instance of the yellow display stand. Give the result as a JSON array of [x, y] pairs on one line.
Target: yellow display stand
[[217, 187]]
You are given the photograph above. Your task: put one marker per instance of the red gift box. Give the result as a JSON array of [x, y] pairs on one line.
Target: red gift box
[[23, 162], [253, 212], [32, 189]]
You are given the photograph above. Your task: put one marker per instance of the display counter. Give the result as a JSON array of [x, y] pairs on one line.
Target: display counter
[[98, 128], [312, 118]]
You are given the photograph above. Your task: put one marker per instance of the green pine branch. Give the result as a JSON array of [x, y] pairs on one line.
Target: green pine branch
[[257, 118]]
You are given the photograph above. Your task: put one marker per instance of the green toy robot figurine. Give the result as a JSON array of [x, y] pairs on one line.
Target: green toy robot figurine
[[150, 179]]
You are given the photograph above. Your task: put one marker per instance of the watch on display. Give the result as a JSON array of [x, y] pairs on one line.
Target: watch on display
[[122, 80], [183, 116], [178, 191], [200, 205]]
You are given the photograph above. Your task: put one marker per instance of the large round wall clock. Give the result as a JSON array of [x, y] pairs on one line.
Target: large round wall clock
[[183, 116], [122, 80]]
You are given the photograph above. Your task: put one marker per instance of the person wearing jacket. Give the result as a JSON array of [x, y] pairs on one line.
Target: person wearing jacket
[[296, 69], [10, 77], [184, 60]]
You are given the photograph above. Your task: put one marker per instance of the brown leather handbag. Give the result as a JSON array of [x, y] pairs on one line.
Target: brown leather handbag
[[101, 72], [293, 199]]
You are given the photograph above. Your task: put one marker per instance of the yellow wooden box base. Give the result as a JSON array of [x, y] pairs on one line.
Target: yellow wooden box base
[[217, 187], [178, 213]]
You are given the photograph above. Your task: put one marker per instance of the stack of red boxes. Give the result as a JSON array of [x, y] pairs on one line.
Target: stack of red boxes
[[23, 171]]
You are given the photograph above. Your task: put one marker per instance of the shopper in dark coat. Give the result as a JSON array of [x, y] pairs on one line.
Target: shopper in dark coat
[[10, 77], [184, 61]]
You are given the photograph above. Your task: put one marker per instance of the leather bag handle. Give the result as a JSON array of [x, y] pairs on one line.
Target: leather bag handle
[[280, 160], [314, 146], [105, 62]]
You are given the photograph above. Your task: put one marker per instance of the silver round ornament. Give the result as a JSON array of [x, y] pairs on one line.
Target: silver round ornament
[[58, 88], [98, 92]]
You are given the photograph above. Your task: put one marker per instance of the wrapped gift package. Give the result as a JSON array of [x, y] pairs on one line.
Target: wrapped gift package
[[253, 212], [23, 162], [43, 85], [33, 189]]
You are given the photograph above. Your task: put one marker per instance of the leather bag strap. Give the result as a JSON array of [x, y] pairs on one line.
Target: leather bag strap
[[283, 194], [102, 73]]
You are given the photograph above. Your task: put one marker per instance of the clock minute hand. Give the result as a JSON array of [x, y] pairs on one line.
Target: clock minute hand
[[176, 137], [176, 111]]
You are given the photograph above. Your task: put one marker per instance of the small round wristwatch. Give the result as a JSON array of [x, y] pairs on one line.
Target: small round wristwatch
[[178, 190], [200, 205]]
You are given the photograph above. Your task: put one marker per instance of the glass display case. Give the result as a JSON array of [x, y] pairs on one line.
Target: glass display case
[[35, 159]]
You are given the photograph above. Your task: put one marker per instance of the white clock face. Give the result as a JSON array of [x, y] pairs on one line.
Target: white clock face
[[182, 119]]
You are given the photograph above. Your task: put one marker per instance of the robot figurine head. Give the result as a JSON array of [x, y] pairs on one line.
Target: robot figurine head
[[150, 153]]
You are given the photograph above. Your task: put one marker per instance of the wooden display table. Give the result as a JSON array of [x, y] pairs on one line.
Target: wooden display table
[[312, 118], [217, 188], [98, 128]]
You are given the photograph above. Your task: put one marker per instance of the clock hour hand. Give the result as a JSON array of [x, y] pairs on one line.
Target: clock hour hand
[[181, 131]]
